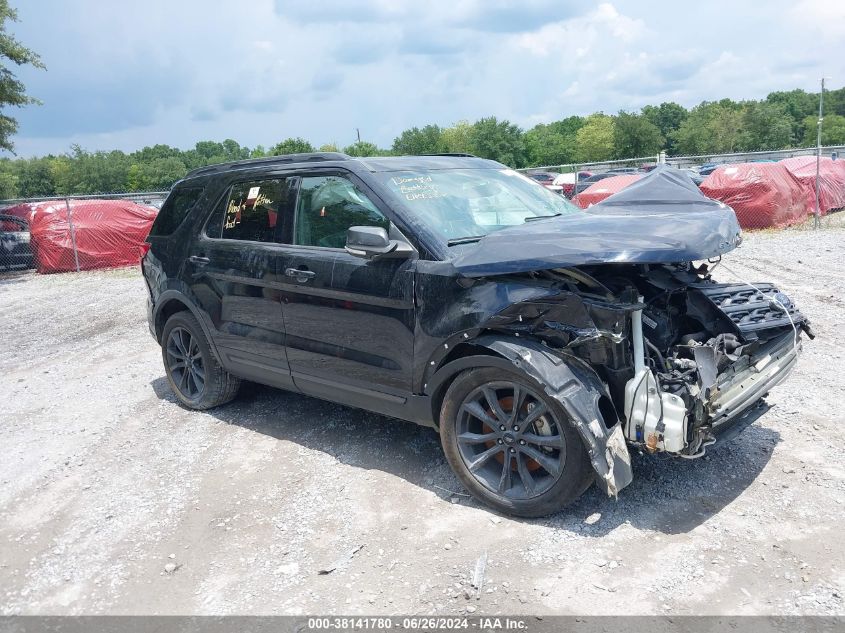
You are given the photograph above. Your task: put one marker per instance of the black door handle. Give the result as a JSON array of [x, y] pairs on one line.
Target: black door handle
[[195, 259], [300, 275]]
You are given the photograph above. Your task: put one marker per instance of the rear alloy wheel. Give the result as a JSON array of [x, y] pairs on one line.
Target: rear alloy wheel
[[511, 445], [185, 363], [194, 374]]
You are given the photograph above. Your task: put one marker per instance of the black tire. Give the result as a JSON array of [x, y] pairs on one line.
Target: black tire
[[477, 452], [183, 337]]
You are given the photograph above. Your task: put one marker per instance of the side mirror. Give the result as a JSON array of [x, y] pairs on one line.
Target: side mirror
[[372, 242]]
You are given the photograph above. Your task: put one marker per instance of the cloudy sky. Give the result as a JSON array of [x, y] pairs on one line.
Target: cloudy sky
[[129, 74]]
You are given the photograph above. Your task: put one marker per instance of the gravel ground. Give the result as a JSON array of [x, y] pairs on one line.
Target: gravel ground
[[115, 500]]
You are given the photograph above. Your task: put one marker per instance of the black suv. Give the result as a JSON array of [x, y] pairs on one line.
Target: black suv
[[542, 341]]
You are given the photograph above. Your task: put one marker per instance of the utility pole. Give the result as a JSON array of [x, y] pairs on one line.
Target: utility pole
[[358, 131], [817, 220]]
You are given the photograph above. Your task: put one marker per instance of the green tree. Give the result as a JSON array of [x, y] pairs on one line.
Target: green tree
[[710, 128], [8, 179], [416, 141], [765, 126], [635, 136], [154, 152], [61, 172], [291, 146], [834, 102], [156, 175], [363, 148], [594, 141], [457, 138], [212, 153], [798, 104], [553, 143], [12, 90], [501, 141], [234, 151], [544, 146], [329, 147], [8, 185], [35, 178], [833, 130], [97, 172], [668, 117]]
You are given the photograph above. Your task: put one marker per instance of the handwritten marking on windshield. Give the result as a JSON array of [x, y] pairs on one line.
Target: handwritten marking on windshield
[[417, 187]]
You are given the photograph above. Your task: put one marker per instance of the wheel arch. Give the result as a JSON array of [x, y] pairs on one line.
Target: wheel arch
[[171, 302], [462, 357], [568, 380]]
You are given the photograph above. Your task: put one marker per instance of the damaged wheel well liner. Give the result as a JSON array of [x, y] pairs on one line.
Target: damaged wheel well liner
[[569, 381]]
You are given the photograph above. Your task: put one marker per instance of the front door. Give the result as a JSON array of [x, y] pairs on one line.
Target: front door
[[349, 322]]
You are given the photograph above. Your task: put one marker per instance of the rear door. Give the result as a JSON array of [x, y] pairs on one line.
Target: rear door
[[234, 268], [349, 321]]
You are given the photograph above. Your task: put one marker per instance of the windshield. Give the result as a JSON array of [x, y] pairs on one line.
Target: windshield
[[470, 203]]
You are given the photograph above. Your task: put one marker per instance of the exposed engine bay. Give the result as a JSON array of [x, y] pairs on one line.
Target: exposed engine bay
[[683, 356]]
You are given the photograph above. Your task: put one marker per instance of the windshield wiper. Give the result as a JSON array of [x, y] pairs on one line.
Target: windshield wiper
[[531, 218], [469, 239]]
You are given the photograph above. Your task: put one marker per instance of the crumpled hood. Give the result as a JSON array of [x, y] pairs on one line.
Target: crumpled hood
[[660, 219]]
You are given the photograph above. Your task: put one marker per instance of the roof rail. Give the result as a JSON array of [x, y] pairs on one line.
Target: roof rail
[[284, 158], [459, 154]]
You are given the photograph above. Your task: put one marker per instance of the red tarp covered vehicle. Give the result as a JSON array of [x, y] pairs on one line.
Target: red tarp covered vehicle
[[831, 180], [106, 233], [23, 210], [602, 189], [762, 195]]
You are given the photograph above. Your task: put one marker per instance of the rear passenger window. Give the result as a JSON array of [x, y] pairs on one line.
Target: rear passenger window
[[254, 211], [174, 211]]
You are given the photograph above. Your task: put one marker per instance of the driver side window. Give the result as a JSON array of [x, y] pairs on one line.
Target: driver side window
[[327, 207]]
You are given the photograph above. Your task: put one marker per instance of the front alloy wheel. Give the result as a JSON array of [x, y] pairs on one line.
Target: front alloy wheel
[[510, 444], [510, 440]]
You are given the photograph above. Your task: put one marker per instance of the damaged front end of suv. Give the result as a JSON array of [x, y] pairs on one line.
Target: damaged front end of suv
[[617, 314], [683, 358]]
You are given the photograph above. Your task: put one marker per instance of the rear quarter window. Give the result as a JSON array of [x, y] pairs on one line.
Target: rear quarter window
[[174, 211]]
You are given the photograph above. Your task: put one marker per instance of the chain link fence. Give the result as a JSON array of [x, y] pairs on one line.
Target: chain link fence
[[770, 189], [75, 233]]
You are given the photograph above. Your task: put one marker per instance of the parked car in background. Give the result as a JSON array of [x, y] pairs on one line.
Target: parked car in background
[[707, 168], [586, 182], [543, 177], [697, 178], [547, 179], [605, 188], [567, 181], [623, 170], [15, 251]]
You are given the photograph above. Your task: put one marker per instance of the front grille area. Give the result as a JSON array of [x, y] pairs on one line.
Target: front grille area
[[751, 309]]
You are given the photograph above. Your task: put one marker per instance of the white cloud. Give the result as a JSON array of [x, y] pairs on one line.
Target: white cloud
[[604, 27], [824, 17], [127, 75]]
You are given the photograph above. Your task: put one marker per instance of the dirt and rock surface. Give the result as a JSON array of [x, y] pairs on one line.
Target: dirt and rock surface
[[116, 500]]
